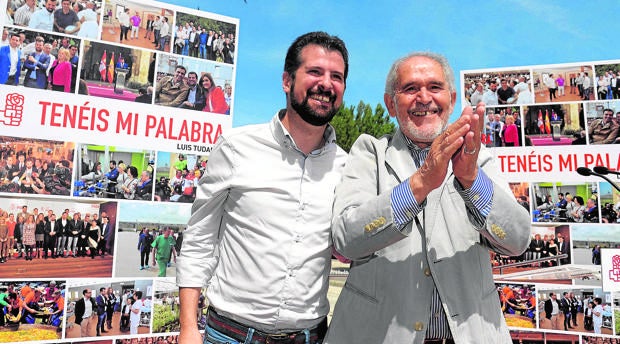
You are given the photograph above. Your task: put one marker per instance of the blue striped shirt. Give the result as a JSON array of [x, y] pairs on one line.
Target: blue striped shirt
[[478, 200]]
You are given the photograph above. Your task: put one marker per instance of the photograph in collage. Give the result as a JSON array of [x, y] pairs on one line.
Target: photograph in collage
[[46, 60], [565, 202], [518, 303], [32, 310], [503, 127], [137, 24], [531, 337], [114, 172], [600, 340], [609, 199], [167, 339], [589, 239], [575, 309], [149, 238], [108, 308], [54, 238], [563, 84], [118, 72], [509, 87], [603, 122], [193, 84], [177, 176], [66, 17], [205, 38], [32, 166], [166, 306], [554, 124], [549, 249], [609, 85]]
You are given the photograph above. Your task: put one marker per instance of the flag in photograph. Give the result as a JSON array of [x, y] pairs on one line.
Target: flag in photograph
[[547, 124], [541, 124], [102, 68], [111, 69]]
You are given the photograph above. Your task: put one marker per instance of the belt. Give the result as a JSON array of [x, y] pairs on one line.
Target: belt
[[239, 331], [438, 341]]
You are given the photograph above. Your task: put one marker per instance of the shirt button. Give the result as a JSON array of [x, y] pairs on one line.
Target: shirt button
[[427, 272], [418, 326]]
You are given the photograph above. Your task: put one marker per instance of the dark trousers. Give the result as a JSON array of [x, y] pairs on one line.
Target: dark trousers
[[100, 323], [144, 257], [567, 321]]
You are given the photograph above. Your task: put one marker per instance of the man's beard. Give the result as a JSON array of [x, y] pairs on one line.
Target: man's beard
[[307, 113]]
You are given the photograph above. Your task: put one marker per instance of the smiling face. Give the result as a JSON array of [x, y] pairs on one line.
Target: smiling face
[[316, 89], [422, 101]]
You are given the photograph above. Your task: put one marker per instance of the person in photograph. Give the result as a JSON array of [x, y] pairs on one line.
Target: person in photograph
[[172, 90], [416, 208], [125, 313], [39, 235], [28, 236], [85, 311], [215, 101], [314, 80], [51, 231], [23, 14], [597, 315], [157, 23], [11, 224], [65, 19], [145, 240], [511, 132], [551, 87], [146, 95], [4, 239], [490, 95], [228, 50], [124, 21], [109, 307], [94, 236], [196, 96], [135, 21], [587, 86], [505, 93], [129, 186], [163, 249], [10, 61], [61, 72], [552, 311], [65, 227], [587, 317], [89, 27], [136, 313], [559, 81], [149, 27], [43, 19], [101, 310], [566, 306], [604, 130], [164, 33], [523, 93], [36, 65]]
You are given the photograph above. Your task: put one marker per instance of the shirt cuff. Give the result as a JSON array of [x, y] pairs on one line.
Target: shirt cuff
[[404, 205], [480, 195]]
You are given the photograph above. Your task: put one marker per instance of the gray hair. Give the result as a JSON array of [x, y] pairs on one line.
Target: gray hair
[[392, 77]]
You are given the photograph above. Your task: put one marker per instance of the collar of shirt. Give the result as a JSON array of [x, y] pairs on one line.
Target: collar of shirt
[[284, 138], [419, 154]]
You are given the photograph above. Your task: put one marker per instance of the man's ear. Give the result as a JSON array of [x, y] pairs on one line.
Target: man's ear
[[287, 81], [389, 104]]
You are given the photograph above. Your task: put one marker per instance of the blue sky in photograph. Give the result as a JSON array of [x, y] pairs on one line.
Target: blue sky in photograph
[[472, 35]]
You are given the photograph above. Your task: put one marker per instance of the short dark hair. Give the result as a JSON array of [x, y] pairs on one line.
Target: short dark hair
[[84, 291], [182, 67], [323, 39]]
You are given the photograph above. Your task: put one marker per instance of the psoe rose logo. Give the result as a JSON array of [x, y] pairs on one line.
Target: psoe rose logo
[[614, 273], [11, 115]]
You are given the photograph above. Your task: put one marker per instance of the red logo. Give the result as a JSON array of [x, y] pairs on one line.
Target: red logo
[[614, 273], [13, 109]]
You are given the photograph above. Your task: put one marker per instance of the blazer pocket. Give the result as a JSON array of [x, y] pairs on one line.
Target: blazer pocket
[[360, 292]]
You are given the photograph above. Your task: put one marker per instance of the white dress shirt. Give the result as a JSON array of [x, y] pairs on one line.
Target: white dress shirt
[[259, 233]]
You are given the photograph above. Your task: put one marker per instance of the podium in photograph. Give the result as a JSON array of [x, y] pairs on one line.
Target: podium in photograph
[[119, 84], [556, 131]]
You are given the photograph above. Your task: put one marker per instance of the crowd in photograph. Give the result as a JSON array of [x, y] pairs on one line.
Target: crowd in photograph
[[170, 339], [503, 129], [196, 92], [498, 89], [101, 309], [117, 181], [182, 186], [42, 61], [22, 172], [608, 84], [568, 208], [38, 235], [78, 18], [541, 252], [31, 303], [568, 311], [193, 40], [600, 340], [518, 300]]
